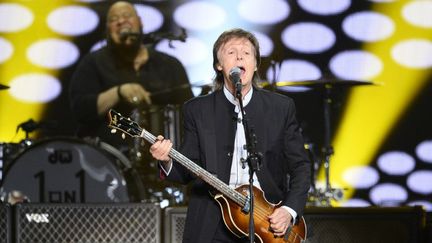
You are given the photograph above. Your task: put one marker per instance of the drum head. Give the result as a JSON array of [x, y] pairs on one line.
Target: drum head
[[67, 170]]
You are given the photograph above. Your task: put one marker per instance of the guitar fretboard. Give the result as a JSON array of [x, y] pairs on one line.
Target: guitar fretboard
[[216, 183]]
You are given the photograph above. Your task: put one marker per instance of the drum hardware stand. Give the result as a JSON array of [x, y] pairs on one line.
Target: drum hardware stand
[[155, 191], [171, 122], [28, 127], [323, 197]]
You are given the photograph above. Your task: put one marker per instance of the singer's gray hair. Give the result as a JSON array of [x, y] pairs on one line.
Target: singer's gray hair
[[224, 38]]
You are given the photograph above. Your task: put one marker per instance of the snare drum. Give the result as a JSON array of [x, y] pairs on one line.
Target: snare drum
[[68, 170]]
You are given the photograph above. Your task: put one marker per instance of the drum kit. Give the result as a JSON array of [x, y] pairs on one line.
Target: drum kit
[[72, 170], [75, 170]]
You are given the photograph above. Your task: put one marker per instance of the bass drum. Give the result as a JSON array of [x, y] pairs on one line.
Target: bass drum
[[68, 170]]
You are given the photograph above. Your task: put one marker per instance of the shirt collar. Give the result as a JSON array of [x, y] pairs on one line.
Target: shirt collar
[[233, 99]]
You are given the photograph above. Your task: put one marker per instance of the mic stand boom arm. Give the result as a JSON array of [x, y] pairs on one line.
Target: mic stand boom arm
[[253, 160], [155, 37]]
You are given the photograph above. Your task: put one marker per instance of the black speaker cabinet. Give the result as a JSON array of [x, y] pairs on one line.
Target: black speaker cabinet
[[5, 223], [370, 224], [334, 225], [107, 223], [428, 229], [174, 223]]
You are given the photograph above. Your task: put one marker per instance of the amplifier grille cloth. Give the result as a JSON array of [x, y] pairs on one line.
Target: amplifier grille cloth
[[4, 223], [88, 223]]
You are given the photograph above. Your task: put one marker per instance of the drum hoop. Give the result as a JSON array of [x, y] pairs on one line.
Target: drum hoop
[[107, 150], [121, 164], [117, 154]]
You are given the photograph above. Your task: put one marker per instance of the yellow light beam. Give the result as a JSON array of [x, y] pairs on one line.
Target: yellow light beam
[[373, 111], [13, 111]]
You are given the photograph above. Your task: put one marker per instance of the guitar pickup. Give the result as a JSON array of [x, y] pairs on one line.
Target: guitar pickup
[[246, 207], [287, 233]]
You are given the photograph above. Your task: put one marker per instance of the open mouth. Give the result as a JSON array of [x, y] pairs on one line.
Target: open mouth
[[125, 30], [242, 69]]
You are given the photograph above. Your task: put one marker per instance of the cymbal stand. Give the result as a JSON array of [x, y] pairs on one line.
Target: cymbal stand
[[323, 197], [327, 149]]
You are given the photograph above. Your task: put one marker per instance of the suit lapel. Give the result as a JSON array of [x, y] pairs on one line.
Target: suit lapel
[[220, 136], [225, 134], [254, 112]]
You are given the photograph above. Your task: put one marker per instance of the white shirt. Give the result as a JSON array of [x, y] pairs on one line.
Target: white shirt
[[239, 168]]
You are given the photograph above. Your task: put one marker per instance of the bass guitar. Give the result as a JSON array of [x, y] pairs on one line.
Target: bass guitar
[[234, 203]]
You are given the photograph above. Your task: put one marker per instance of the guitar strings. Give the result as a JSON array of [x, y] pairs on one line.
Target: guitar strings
[[259, 214]]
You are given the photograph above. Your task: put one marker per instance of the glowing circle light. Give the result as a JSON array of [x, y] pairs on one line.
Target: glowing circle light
[[35, 88], [264, 12], [53, 53], [361, 176], [151, 17], [294, 70], [420, 181], [418, 13], [73, 20], [327, 7], [388, 194], [356, 65], [414, 53], [14, 17], [200, 15], [308, 37], [424, 151], [265, 42], [396, 163], [368, 26], [192, 52], [6, 50]]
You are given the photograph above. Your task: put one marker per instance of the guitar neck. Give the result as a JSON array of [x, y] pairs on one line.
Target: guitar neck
[[219, 185]]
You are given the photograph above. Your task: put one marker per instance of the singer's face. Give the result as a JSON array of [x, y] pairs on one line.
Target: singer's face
[[122, 18], [237, 52]]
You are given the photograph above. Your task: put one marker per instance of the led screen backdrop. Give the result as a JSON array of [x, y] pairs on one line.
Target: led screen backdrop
[[377, 55]]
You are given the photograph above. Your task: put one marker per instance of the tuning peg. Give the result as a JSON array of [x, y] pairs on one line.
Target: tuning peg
[[113, 130], [123, 135]]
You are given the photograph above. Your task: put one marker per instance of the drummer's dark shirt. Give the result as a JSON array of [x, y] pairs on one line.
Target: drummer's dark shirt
[[162, 75]]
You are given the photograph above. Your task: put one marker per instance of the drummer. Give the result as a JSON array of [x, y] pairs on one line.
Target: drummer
[[125, 75]]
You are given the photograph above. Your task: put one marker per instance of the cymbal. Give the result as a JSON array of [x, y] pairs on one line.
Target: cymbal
[[3, 87], [322, 83]]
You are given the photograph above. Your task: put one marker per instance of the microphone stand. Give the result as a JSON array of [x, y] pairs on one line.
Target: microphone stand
[[155, 37], [253, 160]]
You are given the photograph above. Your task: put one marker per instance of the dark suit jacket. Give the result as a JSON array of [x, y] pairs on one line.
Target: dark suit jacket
[[209, 133]]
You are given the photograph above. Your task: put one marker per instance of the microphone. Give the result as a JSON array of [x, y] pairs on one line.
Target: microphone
[[234, 75], [125, 34]]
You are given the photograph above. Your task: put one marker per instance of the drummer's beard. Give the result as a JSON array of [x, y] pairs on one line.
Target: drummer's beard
[[123, 52]]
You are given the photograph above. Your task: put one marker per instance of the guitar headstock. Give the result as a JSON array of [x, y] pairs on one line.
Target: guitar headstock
[[123, 124]]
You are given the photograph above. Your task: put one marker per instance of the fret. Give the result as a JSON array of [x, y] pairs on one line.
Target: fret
[[219, 185], [298, 233]]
